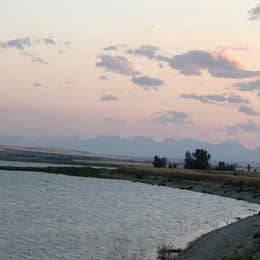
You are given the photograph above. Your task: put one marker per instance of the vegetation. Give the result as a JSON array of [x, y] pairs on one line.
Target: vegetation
[[178, 175], [222, 166], [166, 252], [159, 162], [197, 160]]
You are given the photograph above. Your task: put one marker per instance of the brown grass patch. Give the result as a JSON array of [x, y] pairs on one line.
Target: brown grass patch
[[193, 175]]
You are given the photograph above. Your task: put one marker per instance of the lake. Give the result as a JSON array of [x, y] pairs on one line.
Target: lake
[[44, 216], [35, 164], [42, 165]]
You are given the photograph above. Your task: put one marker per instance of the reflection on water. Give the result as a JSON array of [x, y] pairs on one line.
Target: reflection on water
[[39, 164], [34, 164], [46, 216]]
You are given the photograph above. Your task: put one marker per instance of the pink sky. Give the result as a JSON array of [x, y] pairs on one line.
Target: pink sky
[[131, 68]]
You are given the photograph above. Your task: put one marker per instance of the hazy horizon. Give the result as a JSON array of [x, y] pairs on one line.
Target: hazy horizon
[[140, 146]]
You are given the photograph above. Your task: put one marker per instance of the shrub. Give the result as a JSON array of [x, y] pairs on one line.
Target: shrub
[[166, 252]]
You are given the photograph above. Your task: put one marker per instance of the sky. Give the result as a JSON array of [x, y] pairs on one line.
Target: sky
[[155, 68]]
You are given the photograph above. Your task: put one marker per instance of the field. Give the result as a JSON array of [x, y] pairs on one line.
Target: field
[[223, 177]]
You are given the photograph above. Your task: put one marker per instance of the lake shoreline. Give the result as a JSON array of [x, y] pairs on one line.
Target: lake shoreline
[[211, 246]]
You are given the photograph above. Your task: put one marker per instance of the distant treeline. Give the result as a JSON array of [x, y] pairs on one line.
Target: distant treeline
[[199, 159]]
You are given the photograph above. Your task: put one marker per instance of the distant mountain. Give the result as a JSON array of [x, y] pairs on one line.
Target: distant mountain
[[143, 146]]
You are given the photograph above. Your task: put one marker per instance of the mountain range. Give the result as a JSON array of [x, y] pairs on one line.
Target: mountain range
[[231, 151]]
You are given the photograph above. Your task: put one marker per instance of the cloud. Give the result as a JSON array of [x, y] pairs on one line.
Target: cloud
[[254, 13], [38, 84], [249, 126], [108, 98], [248, 111], [147, 82], [117, 64], [217, 98], [111, 48], [34, 58], [103, 77], [216, 63], [171, 117], [39, 60], [192, 63], [114, 47], [249, 86], [237, 99], [148, 51], [20, 43], [49, 41], [115, 121]]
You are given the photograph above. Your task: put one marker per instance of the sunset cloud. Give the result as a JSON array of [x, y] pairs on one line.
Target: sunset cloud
[[248, 111], [114, 47], [147, 51], [40, 60], [254, 13], [49, 41], [147, 82], [249, 126], [108, 98], [217, 98], [117, 64], [19, 44], [249, 86], [192, 63], [27, 42], [171, 117]]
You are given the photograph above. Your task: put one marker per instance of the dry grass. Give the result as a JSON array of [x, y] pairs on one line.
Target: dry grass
[[226, 178]]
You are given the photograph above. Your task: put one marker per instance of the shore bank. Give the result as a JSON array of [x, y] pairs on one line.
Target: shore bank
[[238, 241]]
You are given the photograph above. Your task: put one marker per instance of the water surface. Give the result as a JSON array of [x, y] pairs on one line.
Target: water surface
[[44, 216], [35, 164]]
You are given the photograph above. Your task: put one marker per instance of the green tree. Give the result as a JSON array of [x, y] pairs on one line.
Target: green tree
[[159, 162], [202, 158], [189, 162], [197, 160]]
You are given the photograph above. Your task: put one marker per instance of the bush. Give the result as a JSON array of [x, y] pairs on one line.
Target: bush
[[166, 252], [225, 167]]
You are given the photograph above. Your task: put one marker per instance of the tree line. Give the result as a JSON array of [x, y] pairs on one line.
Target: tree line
[[199, 159]]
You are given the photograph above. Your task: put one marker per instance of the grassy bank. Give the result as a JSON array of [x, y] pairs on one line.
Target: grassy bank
[[227, 178]]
